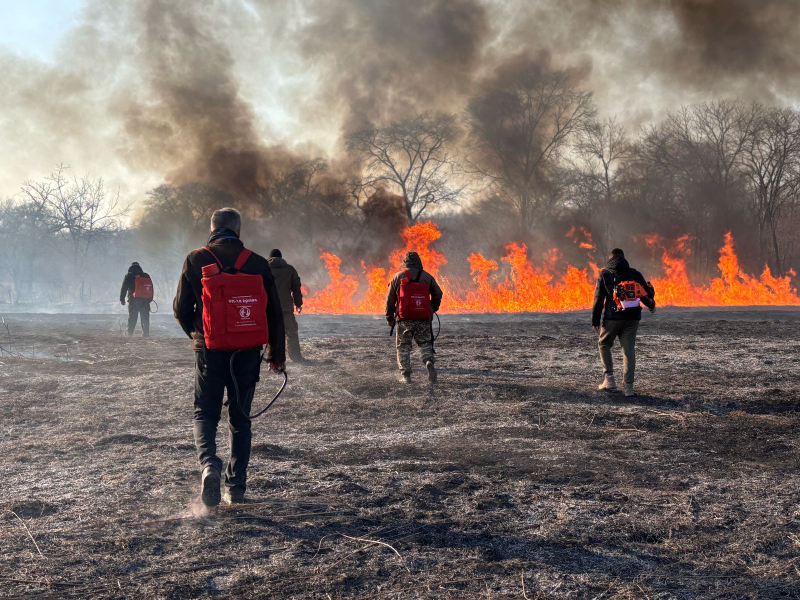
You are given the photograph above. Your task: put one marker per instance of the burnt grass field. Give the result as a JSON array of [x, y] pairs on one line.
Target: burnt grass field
[[511, 478]]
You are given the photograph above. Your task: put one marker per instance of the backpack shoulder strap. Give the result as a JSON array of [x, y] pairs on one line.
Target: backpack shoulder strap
[[207, 249], [419, 275], [609, 282], [242, 259]]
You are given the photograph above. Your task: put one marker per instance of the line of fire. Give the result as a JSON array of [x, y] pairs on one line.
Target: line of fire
[[547, 286]]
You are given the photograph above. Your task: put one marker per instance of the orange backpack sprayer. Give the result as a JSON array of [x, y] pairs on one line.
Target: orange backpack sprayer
[[235, 312], [628, 294]]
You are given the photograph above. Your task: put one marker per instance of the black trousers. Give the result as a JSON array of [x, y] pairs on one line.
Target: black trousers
[[212, 379], [137, 307]]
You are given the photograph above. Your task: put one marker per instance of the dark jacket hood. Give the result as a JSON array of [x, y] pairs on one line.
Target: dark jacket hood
[[412, 260], [277, 262], [135, 269], [618, 265]]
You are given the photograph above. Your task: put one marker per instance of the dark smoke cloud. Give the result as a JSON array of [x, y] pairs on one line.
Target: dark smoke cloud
[[145, 91], [195, 119], [648, 56], [384, 59], [738, 43]]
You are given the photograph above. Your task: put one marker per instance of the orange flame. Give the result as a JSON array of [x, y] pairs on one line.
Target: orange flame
[[514, 284]]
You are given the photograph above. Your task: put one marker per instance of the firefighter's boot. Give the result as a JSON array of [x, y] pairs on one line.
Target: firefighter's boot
[[628, 390], [431, 371], [233, 496], [293, 348], [608, 383], [209, 486]]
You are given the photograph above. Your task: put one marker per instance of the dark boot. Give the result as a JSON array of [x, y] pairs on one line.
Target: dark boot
[[209, 486], [233, 496], [133, 316], [293, 348], [431, 371], [144, 315]]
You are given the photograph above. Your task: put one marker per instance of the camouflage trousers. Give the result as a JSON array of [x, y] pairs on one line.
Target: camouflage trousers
[[409, 332]]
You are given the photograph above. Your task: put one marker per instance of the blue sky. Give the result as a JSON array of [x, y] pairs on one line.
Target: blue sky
[[33, 28]]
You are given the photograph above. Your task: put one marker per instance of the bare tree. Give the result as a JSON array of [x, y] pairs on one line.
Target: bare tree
[[772, 163], [600, 152], [694, 158], [79, 211], [519, 126], [411, 157]]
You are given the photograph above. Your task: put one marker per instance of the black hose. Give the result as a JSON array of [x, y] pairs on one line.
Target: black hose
[[275, 397], [152, 312], [238, 397], [439, 330]]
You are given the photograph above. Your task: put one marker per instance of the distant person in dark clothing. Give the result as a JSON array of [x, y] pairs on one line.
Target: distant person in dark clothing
[[288, 283], [622, 323], [138, 303], [213, 367]]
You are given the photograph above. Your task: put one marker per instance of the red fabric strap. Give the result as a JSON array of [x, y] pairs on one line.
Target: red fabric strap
[[242, 259], [212, 254]]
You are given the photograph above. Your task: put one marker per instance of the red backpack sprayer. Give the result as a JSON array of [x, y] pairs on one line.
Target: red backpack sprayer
[[143, 289], [235, 314], [414, 302]]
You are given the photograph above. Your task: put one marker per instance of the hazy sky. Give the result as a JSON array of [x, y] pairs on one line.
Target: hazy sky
[[139, 90], [33, 28]]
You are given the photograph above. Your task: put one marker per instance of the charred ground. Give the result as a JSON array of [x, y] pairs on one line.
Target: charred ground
[[511, 470]]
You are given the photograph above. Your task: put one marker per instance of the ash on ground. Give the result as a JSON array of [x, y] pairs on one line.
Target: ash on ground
[[513, 470]]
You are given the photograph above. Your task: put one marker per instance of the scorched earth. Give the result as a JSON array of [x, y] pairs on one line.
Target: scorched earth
[[511, 478]]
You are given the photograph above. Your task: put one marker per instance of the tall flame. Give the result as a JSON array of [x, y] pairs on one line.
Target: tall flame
[[526, 287]]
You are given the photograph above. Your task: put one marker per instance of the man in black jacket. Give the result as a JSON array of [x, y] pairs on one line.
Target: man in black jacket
[[413, 330], [288, 283], [213, 368], [621, 323], [136, 306]]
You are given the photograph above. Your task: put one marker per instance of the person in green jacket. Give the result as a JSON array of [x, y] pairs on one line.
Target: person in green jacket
[[288, 283]]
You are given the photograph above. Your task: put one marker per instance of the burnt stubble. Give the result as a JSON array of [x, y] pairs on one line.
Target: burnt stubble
[[511, 471]]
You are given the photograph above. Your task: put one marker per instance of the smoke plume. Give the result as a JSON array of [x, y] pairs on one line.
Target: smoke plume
[[226, 92]]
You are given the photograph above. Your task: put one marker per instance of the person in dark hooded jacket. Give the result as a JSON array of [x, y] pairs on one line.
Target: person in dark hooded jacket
[[616, 323], [136, 306], [215, 370], [413, 330], [287, 281]]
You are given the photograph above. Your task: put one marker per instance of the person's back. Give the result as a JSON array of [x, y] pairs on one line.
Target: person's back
[[138, 303], [219, 370], [287, 281], [618, 321], [416, 325]]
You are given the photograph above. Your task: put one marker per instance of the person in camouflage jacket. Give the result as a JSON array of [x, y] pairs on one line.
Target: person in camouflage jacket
[[413, 330]]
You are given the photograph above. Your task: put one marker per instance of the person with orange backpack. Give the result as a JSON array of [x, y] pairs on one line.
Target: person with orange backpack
[[138, 288], [619, 295], [228, 305], [413, 297]]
